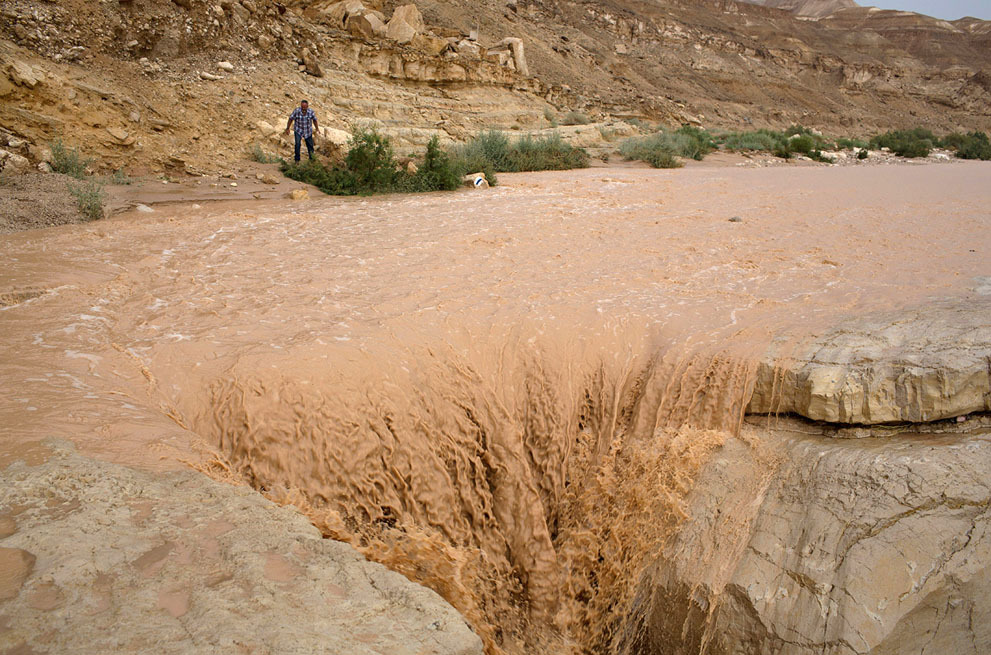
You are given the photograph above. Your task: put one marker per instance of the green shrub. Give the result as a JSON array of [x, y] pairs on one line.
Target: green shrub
[[850, 144], [660, 150], [89, 199], [804, 144], [492, 151], [575, 118], [68, 161], [370, 167], [436, 173], [371, 161], [545, 153], [550, 117], [974, 145], [906, 143], [862, 154], [761, 140], [257, 154]]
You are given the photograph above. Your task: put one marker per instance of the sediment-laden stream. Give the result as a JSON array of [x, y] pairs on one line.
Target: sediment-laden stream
[[505, 395]]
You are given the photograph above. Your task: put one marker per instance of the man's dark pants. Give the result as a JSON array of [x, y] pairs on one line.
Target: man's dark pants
[[309, 144]]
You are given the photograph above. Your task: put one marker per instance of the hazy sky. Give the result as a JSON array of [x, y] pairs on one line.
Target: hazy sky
[[950, 9]]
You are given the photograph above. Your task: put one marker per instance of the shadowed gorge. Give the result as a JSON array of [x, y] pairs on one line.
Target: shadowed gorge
[[533, 401]]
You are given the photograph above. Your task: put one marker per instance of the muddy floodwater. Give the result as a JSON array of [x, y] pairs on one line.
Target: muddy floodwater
[[502, 394]]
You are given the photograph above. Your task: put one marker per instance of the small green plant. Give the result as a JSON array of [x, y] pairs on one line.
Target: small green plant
[[550, 117], [661, 149], [437, 172], [68, 161], [862, 154], [119, 178], [257, 154], [762, 140], [575, 118], [975, 145], [89, 199], [850, 144], [493, 151], [906, 143]]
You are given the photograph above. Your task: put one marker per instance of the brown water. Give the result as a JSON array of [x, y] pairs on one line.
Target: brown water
[[504, 395]]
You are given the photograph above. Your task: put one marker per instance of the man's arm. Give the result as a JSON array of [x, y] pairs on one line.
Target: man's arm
[[316, 128], [289, 122]]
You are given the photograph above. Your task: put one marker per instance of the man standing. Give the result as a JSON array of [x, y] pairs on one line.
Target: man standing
[[306, 122]]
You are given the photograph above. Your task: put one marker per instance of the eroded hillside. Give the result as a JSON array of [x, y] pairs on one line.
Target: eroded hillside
[[188, 85]]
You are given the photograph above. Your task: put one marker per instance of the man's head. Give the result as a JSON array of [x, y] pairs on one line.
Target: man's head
[[304, 104]]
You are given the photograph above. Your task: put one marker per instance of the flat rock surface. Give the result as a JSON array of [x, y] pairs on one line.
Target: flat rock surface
[[924, 364], [101, 558]]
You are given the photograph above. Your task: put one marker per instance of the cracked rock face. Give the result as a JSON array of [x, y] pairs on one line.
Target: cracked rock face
[[100, 558], [877, 546], [918, 365]]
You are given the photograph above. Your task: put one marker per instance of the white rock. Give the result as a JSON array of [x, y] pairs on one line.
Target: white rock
[[225, 66], [144, 209]]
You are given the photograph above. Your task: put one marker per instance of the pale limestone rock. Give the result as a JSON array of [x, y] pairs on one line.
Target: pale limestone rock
[[519, 59], [410, 15], [12, 162], [840, 547], [225, 66], [299, 194], [107, 559], [400, 31], [310, 63], [917, 365], [430, 44], [266, 128], [476, 181], [24, 74], [210, 76], [366, 25]]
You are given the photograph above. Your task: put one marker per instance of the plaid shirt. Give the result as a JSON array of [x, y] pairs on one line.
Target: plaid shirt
[[303, 121]]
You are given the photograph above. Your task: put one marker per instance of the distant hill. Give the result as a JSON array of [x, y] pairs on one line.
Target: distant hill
[[810, 8]]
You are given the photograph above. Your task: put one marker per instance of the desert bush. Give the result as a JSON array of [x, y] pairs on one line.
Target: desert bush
[[68, 161], [545, 153], [803, 144], [370, 167], [974, 145], [906, 143], [89, 199], [550, 117], [436, 172], [658, 150], [257, 154], [862, 154], [575, 118], [762, 140], [492, 151], [850, 144]]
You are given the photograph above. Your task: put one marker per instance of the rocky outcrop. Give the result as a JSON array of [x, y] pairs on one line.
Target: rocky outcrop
[[919, 365], [810, 8], [830, 547], [96, 557]]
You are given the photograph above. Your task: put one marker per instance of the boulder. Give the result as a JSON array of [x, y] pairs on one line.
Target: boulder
[[266, 129], [430, 44], [225, 66], [310, 64], [103, 558], [476, 181], [210, 76], [298, 194], [265, 41], [366, 25], [796, 544], [12, 162], [519, 59], [468, 49], [400, 31], [410, 15], [918, 364], [24, 74]]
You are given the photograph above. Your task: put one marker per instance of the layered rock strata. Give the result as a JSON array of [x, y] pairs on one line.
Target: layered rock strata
[[919, 365], [830, 547]]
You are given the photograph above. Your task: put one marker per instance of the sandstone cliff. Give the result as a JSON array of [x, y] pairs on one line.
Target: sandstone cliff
[[186, 85]]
